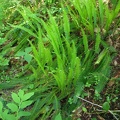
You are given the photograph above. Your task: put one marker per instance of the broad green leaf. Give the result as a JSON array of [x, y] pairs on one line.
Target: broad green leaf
[[28, 49], [5, 113], [23, 113], [66, 24], [97, 43], [16, 98], [77, 69], [31, 86], [84, 109], [60, 78], [56, 103], [28, 57], [85, 41], [101, 11], [89, 9], [27, 96], [20, 53], [21, 93], [58, 117], [10, 117], [78, 90], [6, 62], [3, 61], [101, 56], [36, 56], [1, 107], [25, 29], [2, 41], [13, 107], [48, 56], [70, 75], [106, 106], [25, 104]]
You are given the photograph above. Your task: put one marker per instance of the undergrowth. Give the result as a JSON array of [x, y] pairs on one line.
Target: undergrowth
[[56, 50]]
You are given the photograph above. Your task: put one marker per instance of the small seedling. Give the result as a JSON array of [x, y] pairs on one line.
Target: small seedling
[[25, 54], [15, 109], [106, 106]]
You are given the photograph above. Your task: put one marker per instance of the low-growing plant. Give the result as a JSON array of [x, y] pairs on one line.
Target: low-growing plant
[[25, 54], [16, 109]]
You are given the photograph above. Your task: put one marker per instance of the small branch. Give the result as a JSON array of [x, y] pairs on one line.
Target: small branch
[[97, 106], [116, 111], [90, 102]]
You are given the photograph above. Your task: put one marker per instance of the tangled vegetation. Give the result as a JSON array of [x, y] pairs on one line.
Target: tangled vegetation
[[57, 60]]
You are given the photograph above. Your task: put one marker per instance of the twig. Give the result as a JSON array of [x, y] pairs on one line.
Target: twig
[[111, 110], [97, 106]]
